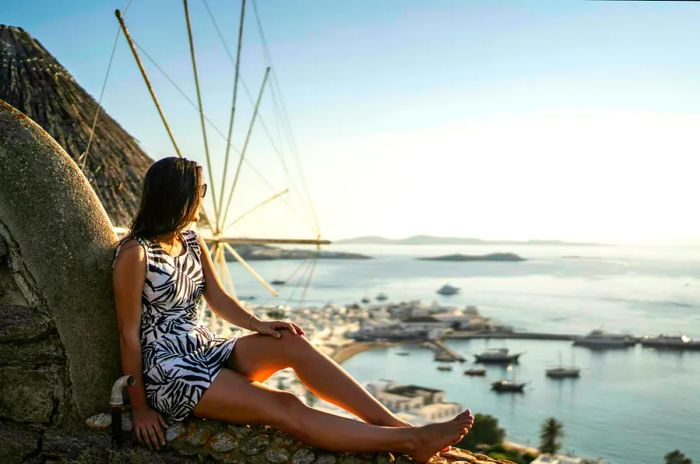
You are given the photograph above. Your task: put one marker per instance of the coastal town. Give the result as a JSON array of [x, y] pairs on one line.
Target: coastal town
[[343, 331]]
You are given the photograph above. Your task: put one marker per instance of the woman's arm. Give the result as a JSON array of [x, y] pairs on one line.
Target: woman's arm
[[128, 278], [228, 308], [218, 300]]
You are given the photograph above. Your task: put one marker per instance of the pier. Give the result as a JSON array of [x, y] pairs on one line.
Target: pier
[[467, 334], [439, 345]]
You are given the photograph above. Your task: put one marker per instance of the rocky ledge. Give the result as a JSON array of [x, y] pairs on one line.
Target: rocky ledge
[[213, 441]]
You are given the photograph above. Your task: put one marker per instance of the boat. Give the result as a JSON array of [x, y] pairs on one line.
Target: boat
[[402, 353], [675, 342], [448, 290], [497, 356], [365, 300], [278, 282], [475, 372], [563, 372], [444, 367], [381, 297], [511, 386], [601, 339]]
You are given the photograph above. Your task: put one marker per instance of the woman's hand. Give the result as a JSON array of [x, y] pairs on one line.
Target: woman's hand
[[270, 328], [147, 427]]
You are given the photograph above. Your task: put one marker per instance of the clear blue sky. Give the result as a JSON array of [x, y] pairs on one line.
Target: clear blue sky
[[572, 120]]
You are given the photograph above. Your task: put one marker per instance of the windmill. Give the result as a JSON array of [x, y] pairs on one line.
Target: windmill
[[217, 222]]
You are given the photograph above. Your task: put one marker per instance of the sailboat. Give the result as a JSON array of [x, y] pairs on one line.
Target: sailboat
[[563, 372], [508, 385], [217, 222]]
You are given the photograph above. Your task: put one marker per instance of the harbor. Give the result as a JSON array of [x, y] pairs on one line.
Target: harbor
[[539, 316]]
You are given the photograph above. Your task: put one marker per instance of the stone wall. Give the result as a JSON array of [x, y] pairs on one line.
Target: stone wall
[[59, 347]]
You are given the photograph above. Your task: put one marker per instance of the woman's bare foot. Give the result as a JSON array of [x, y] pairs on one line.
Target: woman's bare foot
[[433, 438], [397, 422]]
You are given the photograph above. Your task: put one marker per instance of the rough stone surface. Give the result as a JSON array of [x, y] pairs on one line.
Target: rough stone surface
[[22, 323], [17, 442], [27, 395], [32, 354], [212, 441], [64, 249]]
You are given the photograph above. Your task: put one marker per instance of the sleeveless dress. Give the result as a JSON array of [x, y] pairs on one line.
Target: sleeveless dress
[[181, 357]]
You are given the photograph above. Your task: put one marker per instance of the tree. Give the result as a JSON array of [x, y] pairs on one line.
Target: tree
[[485, 431], [550, 434], [676, 457]]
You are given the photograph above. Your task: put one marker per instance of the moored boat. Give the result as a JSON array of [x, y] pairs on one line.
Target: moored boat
[[448, 290], [563, 372], [510, 386], [475, 372], [497, 356], [601, 339], [675, 342]]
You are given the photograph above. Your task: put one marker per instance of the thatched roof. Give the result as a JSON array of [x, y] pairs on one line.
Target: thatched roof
[[35, 83]]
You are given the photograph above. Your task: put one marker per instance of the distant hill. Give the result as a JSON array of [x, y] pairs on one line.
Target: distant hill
[[489, 257], [432, 240], [267, 252]]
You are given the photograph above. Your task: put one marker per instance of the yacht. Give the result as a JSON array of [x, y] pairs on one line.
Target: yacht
[[497, 356], [676, 342], [601, 339], [448, 290]]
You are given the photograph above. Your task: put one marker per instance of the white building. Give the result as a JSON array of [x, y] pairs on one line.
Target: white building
[[413, 403]]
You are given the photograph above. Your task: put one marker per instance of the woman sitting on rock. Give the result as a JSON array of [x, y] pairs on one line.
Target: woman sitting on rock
[[161, 272]]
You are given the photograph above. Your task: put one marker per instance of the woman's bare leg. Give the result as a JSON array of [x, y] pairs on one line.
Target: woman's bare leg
[[259, 356], [234, 398]]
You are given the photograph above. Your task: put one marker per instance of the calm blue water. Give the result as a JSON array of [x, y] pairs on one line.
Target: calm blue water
[[629, 406]]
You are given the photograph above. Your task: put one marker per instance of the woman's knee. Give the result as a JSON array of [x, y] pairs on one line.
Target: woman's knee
[[296, 346]]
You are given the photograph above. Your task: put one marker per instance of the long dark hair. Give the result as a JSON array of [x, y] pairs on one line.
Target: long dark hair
[[169, 199]]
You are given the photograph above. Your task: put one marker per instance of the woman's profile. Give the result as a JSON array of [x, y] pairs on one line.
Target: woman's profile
[[162, 270]]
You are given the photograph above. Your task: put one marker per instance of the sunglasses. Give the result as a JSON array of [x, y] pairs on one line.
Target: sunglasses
[[204, 190]]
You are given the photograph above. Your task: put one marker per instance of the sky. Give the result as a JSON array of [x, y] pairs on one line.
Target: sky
[[517, 120]]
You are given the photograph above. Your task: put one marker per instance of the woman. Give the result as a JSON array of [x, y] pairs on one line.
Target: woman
[[161, 272]]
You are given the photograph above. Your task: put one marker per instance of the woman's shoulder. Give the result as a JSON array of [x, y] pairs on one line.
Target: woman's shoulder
[[130, 249]]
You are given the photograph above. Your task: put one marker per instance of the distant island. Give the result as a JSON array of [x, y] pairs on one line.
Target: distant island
[[433, 240], [488, 257], [266, 252]]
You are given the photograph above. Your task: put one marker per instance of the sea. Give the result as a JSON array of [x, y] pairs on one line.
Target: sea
[[629, 405]]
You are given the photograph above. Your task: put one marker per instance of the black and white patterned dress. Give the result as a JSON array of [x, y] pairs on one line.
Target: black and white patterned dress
[[181, 357]]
